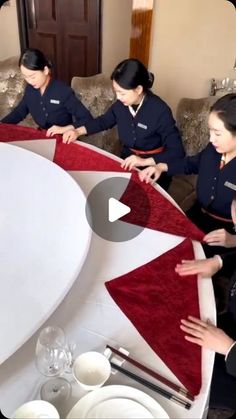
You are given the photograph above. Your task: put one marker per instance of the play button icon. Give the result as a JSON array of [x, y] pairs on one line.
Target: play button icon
[[116, 210], [106, 213]]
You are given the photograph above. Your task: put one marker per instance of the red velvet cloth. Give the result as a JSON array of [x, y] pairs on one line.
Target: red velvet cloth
[[11, 132], [155, 298], [164, 216], [76, 157]]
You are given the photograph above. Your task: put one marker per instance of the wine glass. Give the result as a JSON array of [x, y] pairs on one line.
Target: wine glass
[[52, 359]]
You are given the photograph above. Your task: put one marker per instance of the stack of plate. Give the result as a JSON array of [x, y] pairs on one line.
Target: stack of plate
[[117, 402]]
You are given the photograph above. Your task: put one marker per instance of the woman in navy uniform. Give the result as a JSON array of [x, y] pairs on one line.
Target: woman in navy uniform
[[52, 104], [145, 123], [222, 339], [216, 169]]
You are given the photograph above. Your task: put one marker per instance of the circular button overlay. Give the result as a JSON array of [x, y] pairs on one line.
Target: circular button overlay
[[109, 202]]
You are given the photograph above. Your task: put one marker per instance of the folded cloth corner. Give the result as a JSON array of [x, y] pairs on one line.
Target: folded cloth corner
[[164, 216], [155, 299]]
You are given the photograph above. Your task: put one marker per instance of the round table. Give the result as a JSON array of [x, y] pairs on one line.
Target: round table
[[91, 318]]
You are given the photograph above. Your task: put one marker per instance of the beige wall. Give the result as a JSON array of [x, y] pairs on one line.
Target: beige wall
[[9, 39], [192, 41], [116, 28]]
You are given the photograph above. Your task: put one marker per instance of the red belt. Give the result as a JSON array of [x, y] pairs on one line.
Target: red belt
[[140, 152], [217, 217]]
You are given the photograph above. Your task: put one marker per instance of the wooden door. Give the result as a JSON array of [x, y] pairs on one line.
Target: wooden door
[[67, 31]]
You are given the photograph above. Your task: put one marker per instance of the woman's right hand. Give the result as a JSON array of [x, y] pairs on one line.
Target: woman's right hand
[[206, 335], [72, 134], [69, 136], [202, 267], [152, 173]]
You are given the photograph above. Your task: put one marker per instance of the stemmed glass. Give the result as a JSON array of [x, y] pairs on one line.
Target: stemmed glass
[[53, 358]]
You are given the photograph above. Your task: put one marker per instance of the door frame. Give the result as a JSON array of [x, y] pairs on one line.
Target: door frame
[[22, 23]]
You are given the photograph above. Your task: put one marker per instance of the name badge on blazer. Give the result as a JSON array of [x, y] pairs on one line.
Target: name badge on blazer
[[55, 101], [230, 185], [141, 125]]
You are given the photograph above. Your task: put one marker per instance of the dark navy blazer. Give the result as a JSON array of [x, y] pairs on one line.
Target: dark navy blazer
[[229, 259], [57, 106], [216, 188], [231, 361], [152, 127]]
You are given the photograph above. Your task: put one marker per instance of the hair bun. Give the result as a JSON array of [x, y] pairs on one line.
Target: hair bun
[[150, 79], [49, 63]]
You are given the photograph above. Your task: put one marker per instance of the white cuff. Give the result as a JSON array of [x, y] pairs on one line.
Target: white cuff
[[219, 260]]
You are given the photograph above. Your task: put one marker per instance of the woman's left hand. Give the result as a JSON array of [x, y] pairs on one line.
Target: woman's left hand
[[220, 238], [132, 161], [206, 335], [56, 129]]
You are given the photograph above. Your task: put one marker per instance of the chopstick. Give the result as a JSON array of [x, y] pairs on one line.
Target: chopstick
[[178, 389], [152, 386]]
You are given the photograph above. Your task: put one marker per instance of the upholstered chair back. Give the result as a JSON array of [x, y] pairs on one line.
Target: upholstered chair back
[[96, 93], [12, 87], [191, 118]]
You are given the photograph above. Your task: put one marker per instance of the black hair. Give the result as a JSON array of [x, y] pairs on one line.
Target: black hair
[[34, 59], [131, 73], [225, 108]]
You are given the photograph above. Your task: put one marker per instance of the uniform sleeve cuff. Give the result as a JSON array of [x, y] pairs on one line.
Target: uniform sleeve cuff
[[219, 260]]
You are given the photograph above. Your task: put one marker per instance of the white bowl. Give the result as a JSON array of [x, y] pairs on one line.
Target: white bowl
[[36, 409], [91, 370]]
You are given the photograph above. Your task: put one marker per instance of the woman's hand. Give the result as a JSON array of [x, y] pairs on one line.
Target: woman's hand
[[220, 238], [152, 173], [56, 129], [202, 267], [132, 161], [71, 135], [206, 335]]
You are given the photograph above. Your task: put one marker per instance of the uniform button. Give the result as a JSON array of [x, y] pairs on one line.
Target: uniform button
[[212, 187], [44, 109], [41, 103], [212, 197], [46, 114], [214, 178]]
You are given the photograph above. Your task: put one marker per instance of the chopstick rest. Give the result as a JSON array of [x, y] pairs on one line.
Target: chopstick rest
[[117, 359]]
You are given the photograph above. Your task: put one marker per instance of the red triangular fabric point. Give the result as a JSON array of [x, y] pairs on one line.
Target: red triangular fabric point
[[11, 132], [164, 216], [155, 298], [69, 157]]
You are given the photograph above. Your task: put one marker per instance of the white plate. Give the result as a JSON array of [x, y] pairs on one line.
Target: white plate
[[93, 401], [119, 408]]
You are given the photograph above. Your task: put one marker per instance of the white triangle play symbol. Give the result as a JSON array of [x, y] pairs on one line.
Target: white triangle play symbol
[[116, 209]]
